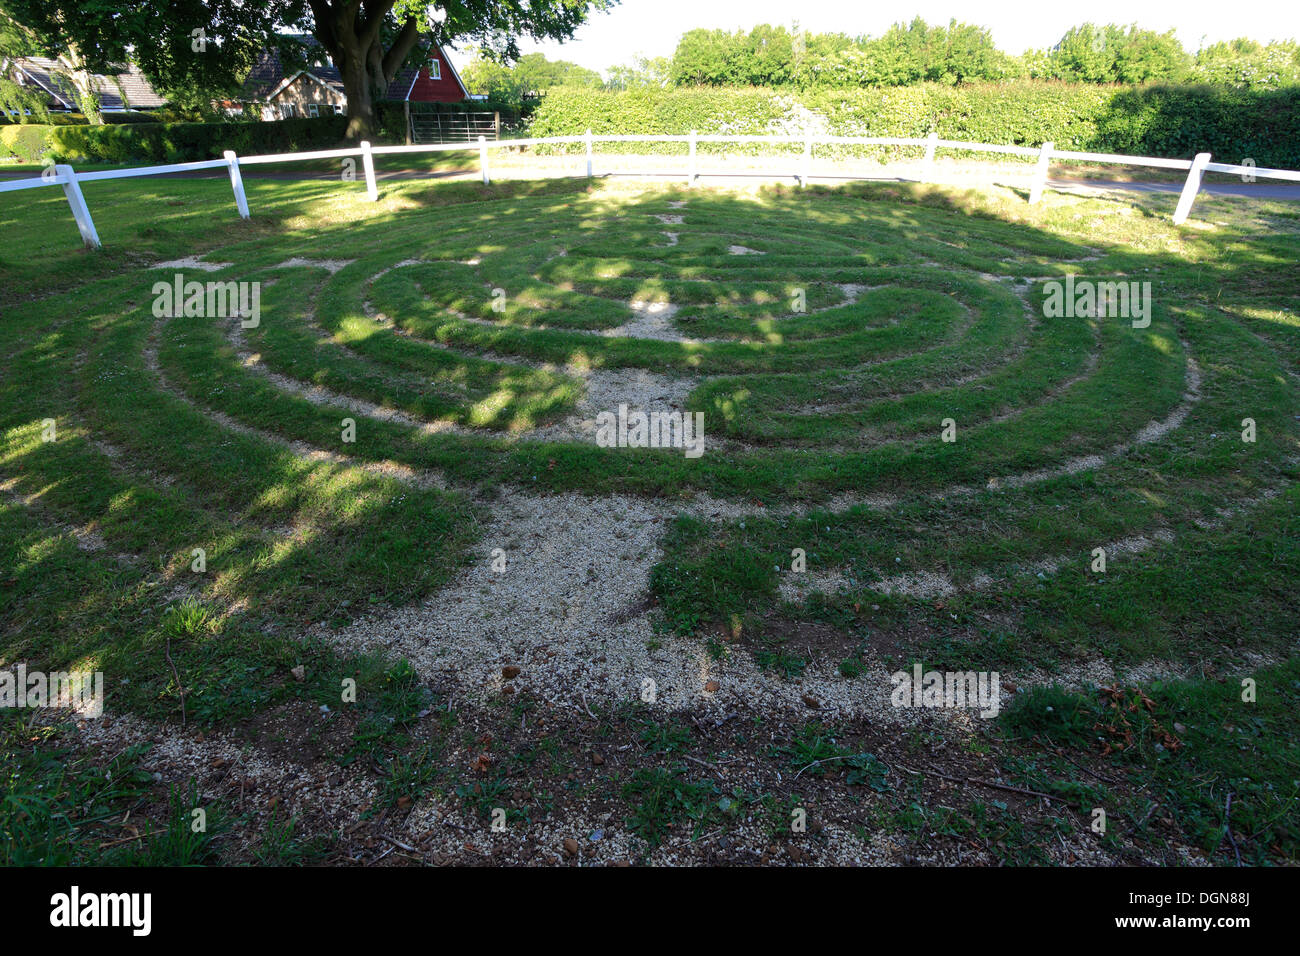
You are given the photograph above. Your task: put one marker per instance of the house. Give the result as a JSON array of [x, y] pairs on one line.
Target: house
[[316, 89], [436, 81], [125, 90], [279, 92]]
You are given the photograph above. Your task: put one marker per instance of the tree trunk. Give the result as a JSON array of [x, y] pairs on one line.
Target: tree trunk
[[356, 87], [353, 42], [87, 97], [83, 83]]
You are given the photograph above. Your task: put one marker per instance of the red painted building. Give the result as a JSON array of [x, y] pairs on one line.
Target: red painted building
[[435, 82]]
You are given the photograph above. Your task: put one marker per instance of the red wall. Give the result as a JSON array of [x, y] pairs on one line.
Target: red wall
[[445, 90]]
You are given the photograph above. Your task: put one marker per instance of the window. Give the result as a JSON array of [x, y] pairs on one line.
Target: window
[[287, 111], [435, 69], [338, 109], [313, 110]]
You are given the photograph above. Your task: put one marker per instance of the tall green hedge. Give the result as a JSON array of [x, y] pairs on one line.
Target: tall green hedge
[[1157, 120], [169, 142], [1170, 121], [570, 111]]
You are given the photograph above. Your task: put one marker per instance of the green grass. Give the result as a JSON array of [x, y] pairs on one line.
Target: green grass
[[60, 808], [664, 798], [1213, 764], [825, 367]]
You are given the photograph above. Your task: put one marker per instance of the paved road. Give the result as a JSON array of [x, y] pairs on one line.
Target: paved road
[[1255, 190]]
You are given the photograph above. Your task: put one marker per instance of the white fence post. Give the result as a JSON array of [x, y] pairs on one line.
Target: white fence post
[[1191, 188], [80, 211], [807, 160], [1040, 173], [368, 164], [237, 183], [588, 140], [927, 164], [482, 159], [692, 169]]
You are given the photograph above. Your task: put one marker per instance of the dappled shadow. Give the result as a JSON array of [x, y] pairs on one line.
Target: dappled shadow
[[342, 539], [1179, 121]]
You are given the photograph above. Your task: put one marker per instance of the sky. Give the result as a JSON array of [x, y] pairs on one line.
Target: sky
[[652, 27]]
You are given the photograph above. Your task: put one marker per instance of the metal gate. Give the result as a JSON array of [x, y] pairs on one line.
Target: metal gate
[[438, 127]]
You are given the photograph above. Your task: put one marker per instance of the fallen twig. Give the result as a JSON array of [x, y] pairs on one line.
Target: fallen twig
[[976, 781], [180, 688], [703, 763], [118, 842], [1227, 826], [825, 760], [1089, 770]]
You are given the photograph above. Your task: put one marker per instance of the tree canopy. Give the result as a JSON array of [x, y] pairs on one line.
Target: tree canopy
[[773, 56], [957, 53], [195, 51], [525, 79], [206, 46]]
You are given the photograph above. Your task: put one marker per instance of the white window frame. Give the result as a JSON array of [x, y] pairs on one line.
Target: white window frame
[[435, 69], [313, 110]]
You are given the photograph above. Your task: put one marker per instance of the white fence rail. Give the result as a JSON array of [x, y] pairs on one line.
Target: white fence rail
[[65, 176]]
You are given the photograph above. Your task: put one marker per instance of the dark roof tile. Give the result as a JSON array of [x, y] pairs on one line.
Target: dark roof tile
[[127, 89]]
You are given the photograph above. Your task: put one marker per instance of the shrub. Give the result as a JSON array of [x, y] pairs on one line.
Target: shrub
[[184, 142], [1155, 120], [50, 119], [1055, 714], [569, 111], [123, 118], [167, 142], [25, 142]]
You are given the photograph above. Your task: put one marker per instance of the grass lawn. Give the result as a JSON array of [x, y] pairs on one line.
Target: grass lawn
[[374, 542]]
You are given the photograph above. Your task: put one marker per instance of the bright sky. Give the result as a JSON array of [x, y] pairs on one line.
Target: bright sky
[[652, 27]]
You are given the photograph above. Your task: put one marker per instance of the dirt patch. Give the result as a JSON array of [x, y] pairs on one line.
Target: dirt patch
[[577, 786], [192, 262], [329, 265]]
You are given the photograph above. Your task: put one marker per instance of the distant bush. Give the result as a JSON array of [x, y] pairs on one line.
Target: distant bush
[[47, 119], [168, 142], [958, 53], [24, 142], [1156, 120], [1232, 124], [121, 118], [569, 111], [183, 142]]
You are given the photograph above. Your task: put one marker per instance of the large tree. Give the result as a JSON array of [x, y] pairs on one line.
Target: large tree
[[180, 43], [185, 47], [530, 75], [23, 102], [1245, 63], [32, 29], [370, 40], [1116, 54]]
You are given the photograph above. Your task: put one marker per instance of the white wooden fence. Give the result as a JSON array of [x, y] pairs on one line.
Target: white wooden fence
[[65, 176]]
